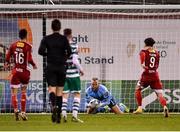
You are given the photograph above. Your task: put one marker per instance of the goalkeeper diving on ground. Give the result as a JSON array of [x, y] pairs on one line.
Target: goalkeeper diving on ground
[[99, 99]]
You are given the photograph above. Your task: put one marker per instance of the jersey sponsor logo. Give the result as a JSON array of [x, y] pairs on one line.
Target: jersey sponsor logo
[[20, 44], [152, 51]]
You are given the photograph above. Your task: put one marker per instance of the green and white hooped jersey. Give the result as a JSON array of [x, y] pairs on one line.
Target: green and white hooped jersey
[[72, 71]]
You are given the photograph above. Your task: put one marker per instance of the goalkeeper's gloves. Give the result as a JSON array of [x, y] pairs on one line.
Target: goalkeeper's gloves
[[93, 103], [106, 107], [102, 104]]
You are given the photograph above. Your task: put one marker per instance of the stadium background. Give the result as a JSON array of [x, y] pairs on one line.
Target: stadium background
[[91, 1], [120, 73]]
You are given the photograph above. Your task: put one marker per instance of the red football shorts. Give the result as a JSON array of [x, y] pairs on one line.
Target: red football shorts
[[19, 78], [151, 80]]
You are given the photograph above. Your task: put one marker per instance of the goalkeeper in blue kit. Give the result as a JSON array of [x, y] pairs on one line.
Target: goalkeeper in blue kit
[[99, 99]]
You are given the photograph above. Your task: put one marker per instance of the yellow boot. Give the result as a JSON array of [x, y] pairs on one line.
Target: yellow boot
[[138, 111]]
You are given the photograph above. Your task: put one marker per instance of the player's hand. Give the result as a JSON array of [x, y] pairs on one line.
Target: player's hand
[[34, 67], [6, 66], [144, 67], [81, 73], [101, 104]]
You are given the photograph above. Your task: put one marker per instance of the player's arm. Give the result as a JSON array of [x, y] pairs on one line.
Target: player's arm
[[7, 58], [91, 103], [31, 61], [106, 96], [42, 48], [142, 60], [105, 101], [88, 97], [68, 48], [76, 62], [158, 59]]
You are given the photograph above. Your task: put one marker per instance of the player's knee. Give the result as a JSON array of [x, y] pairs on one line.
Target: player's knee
[[52, 89], [23, 93], [76, 99], [138, 88], [65, 95], [65, 100], [77, 95], [14, 94], [23, 90]]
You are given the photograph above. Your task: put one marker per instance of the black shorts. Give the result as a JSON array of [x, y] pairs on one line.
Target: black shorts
[[56, 75]]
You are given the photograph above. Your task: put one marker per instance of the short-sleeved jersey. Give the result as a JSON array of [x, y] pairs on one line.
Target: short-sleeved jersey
[[102, 94], [150, 77], [151, 60], [21, 53]]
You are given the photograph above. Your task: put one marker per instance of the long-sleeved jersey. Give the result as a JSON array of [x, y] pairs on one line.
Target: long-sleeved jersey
[[102, 94], [56, 47], [73, 65]]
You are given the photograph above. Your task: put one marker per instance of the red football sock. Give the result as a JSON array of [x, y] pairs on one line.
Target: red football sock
[[138, 97], [14, 102], [162, 100], [23, 102]]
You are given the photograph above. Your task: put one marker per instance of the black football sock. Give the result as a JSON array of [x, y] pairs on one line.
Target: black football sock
[[59, 104], [52, 98]]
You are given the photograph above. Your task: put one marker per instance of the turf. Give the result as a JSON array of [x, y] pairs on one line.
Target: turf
[[99, 122]]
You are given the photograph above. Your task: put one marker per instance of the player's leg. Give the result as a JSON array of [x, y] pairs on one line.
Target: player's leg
[[52, 99], [24, 79], [157, 86], [65, 104], [59, 93], [66, 91], [76, 104], [114, 107], [142, 83], [75, 87], [23, 103], [162, 101], [123, 108], [52, 82], [138, 96], [61, 77], [75, 107], [15, 84], [14, 91]]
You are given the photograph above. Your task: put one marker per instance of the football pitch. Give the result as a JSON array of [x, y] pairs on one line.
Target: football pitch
[[98, 122]]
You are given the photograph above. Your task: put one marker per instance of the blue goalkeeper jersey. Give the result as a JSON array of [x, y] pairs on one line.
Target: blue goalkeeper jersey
[[102, 94]]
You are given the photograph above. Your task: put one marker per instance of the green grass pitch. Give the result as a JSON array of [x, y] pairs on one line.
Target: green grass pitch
[[98, 122]]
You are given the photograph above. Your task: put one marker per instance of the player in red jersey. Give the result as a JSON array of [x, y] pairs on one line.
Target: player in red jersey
[[149, 58], [20, 51]]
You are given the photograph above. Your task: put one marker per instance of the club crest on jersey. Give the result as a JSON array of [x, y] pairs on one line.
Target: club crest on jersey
[[130, 49], [20, 44]]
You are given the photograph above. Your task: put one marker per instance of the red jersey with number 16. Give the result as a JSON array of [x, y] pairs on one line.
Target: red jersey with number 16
[[21, 52]]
